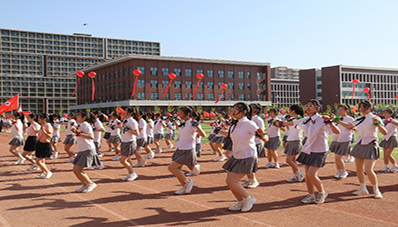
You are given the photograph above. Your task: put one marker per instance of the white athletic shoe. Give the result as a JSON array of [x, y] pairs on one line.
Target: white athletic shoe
[[90, 187], [48, 175], [150, 155], [101, 166], [188, 185], [309, 199], [181, 191], [246, 184], [277, 165], [196, 169], [101, 154], [337, 176], [33, 167], [269, 165], [321, 197], [220, 159], [394, 169], [344, 174], [20, 161], [300, 176], [70, 160], [349, 159], [253, 184], [213, 153], [378, 195], [292, 180], [110, 149], [41, 176], [116, 158], [55, 156], [126, 177], [132, 177], [385, 169], [80, 190], [361, 192], [248, 203], [237, 206]]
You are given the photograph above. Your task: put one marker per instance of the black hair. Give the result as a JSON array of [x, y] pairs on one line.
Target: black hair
[[315, 102], [20, 116], [43, 116], [390, 111], [187, 110], [33, 116], [157, 115], [115, 115], [93, 118], [274, 110], [297, 109], [367, 104], [84, 114], [344, 106], [244, 107], [71, 114], [256, 107], [196, 116]]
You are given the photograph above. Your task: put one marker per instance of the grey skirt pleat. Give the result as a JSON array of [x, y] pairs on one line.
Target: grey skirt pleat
[[243, 166], [185, 157], [273, 143], [88, 158], [390, 143], [312, 159], [293, 147], [368, 151]]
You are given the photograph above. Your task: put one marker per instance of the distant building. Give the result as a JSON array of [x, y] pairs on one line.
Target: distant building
[[285, 92], [282, 72]]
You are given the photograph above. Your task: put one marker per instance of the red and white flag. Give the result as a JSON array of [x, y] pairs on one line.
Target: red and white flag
[[10, 105]]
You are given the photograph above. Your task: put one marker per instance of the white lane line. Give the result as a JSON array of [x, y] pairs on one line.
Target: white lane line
[[4, 222]]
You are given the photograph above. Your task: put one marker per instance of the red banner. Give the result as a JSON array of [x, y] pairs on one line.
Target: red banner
[[10, 105]]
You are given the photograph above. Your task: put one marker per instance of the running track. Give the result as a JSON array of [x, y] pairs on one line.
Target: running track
[[150, 200]]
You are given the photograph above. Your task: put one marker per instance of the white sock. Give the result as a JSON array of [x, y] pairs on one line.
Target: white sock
[[386, 166], [312, 195], [375, 188], [362, 186]]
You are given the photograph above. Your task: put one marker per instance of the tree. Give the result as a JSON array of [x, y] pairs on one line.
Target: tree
[[199, 108], [156, 109], [170, 108]]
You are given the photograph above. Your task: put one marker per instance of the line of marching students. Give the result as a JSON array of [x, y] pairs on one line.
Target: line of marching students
[[237, 137]]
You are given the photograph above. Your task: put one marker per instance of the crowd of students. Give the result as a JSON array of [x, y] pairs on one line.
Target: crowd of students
[[238, 137]]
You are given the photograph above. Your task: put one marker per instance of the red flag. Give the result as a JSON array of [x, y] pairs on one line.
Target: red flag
[[10, 105], [212, 114], [119, 110]]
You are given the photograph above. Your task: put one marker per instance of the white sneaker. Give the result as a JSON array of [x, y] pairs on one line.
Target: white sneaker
[[361, 192], [277, 165], [41, 176], [48, 175], [321, 197], [181, 191], [90, 187], [344, 174], [269, 165], [378, 195], [253, 184], [293, 179], [394, 169], [70, 160], [385, 169], [349, 159], [248, 203], [33, 167], [80, 190], [300, 176], [196, 170], [220, 159], [126, 177], [171, 146], [237, 206], [160, 151], [20, 161], [55, 156], [101, 166], [132, 177], [116, 158], [190, 174], [189, 185], [337, 176], [309, 199], [101, 154], [151, 155], [110, 150], [213, 153], [246, 184]]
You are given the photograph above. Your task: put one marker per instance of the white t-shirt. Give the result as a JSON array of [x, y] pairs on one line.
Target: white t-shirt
[[84, 144], [57, 126], [108, 126], [317, 130], [198, 139], [295, 132], [149, 128], [17, 133], [243, 139], [158, 127], [186, 136], [129, 124], [169, 128], [115, 131], [33, 127], [273, 131], [367, 132], [218, 124], [391, 129], [69, 126], [142, 125], [345, 134], [260, 124], [97, 132]]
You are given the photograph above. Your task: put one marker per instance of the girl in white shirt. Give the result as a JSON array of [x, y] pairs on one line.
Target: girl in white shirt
[[56, 123], [274, 139], [315, 150], [212, 135], [244, 155], [389, 141], [169, 132], [286, 134], [98, 128], [115, 138], [149, 135], [159, 125], [86, 154], [343, 140], [195, 171], [141, 138], [366, 151], [31, 141], [185, 153], [70, 137], [17, 137], [219, 138]]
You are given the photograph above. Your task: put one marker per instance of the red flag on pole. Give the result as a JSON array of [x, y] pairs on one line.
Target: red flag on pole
[[10, 105]]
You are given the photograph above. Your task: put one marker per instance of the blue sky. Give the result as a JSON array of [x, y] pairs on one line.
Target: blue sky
[[294, 33]]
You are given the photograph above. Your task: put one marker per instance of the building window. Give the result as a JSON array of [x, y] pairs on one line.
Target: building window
[[230, 74], [241, 75], [154, 71], [249, 97], [154, 95], [165, 71], [210, 85], [210, 73], [231, 97], [141, 95], [142, 69], [249, 86], [199, 71], [141, 83], [231, 85], [177, 72], [241, 86], [241, 96], [154, 83], [259, 75], [210, 96], [188, 72], [165, 83], [177, 84], [221, 74], [201, 96], [188, 84], [178, 96]]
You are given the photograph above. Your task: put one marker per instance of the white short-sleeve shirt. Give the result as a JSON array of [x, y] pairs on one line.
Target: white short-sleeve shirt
[[115, 131], [367, 132], [345, 134], [169, 128], [260, 124], [108, 126], [143, 125], [57, 126], [317, 141], [295, 132], [186, 136], [17, 133], [69, 126], [158, 126], [97, 132], [33, 127], [273, 131], [84, 144], [149, 128], [129, 124], [391, 128], [243, 138]]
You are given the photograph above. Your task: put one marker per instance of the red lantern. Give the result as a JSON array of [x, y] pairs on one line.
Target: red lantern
[[137, 73], [200, 77], [396, 97], [92, 74], [354, 81], [223, 86], [172, 76], [79, 75], [366, 90]]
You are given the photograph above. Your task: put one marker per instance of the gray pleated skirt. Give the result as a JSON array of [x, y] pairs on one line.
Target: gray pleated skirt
[[260, 150], [88, 158], [273, 143], [227, 144], [198, 147], [169, 136], [107, 135], [284, 139], [312, 159], [244, 166], [141, 142], [128, 148], [333, 146], [158, 136], [304, 141], [115, 139], [369, 151], [211, 136], [293, 147], [390, 143], [70, 139], [185, 157], [343, 148], [56, 139], [218, 139], [17, 142], [150, 140]]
